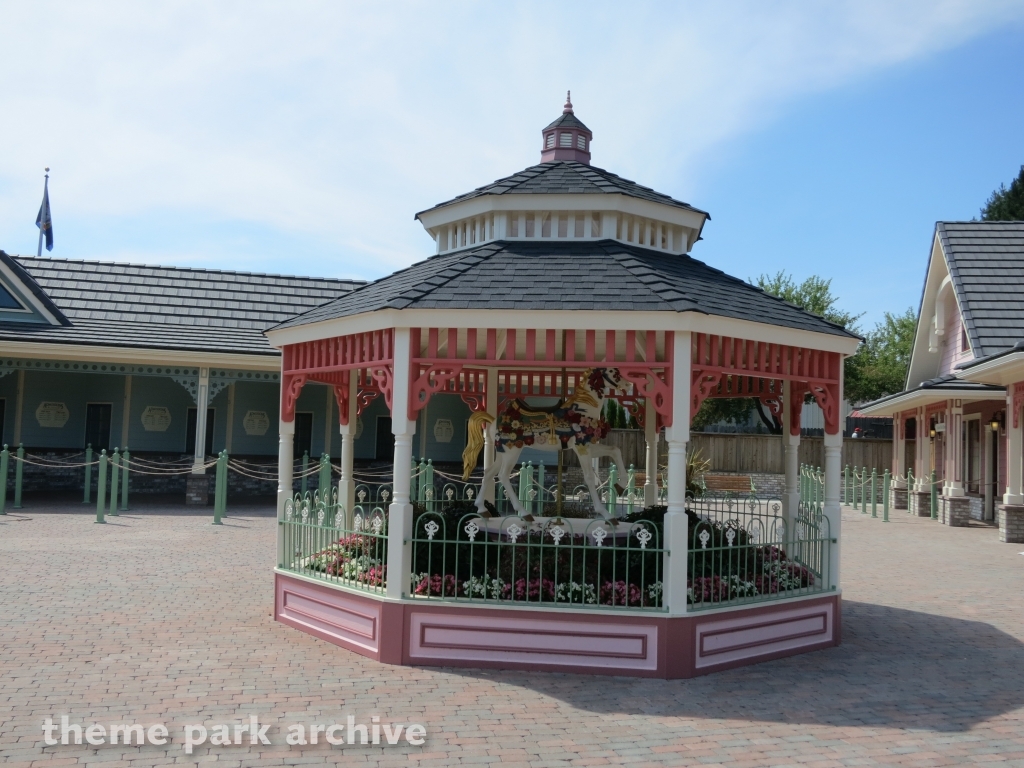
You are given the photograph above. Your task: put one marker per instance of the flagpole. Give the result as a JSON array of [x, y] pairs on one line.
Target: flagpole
[[46, 186]]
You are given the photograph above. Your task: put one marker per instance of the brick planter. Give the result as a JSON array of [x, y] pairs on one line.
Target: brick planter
[[900, 498], [954, 511], [1011, 523], [920, 504]]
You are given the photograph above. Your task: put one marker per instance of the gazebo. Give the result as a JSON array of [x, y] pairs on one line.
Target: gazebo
[[538, 280]]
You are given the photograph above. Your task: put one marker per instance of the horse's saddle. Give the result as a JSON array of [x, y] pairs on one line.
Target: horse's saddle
[[540, 410]]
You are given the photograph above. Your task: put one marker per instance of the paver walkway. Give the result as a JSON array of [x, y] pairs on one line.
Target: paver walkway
[[158, 617]]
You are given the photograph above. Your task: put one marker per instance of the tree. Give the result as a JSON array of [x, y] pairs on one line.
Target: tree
[[880, 366], [1006, 204], [814, 295]]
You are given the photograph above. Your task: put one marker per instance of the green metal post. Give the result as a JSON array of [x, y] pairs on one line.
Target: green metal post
[[874, 492], [87, 496], [17, 476], [885, 496], [846, 485], [539, 485], [631, 488], [305, 469], [115, 473], [125, 456], [5, 456], [219, 495], [428, 477], [324, 481], [101, 488], [423, 479], [863, 490], [414, 484], [613, 494], [935, 500]]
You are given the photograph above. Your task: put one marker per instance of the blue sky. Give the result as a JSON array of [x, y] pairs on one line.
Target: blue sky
[[301, 138]]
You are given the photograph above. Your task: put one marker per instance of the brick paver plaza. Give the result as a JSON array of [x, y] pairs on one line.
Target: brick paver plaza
[[160, 617]]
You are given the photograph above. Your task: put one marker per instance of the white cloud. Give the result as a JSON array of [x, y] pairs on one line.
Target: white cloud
[[339, 121]]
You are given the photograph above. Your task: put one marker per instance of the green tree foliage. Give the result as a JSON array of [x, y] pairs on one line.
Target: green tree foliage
[[814, 294], [1006, 204], [618, 417], [880, 366]]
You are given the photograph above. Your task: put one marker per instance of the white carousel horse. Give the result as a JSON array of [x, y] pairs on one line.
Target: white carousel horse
[[575, 422]]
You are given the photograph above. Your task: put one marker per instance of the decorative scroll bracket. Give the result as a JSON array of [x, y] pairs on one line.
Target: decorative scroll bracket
[[432, 380], [654, 386], [826, 396], [291, 388]]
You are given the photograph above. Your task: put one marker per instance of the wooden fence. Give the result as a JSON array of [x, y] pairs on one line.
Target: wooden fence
[[756, 453]]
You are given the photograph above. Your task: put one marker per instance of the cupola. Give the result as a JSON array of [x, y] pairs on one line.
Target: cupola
[[567, 138]]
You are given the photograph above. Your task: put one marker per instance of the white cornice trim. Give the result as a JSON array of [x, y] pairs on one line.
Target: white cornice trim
[[924, 397], [1002, 371], [559, 320], [137, 356]]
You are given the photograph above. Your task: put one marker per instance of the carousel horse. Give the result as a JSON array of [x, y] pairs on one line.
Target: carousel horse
[[575, 422]]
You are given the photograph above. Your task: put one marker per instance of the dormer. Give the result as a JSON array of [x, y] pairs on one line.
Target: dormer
[[22, 300]]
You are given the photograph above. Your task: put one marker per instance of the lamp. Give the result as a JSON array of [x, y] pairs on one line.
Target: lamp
[[931, 432], [995, 424]]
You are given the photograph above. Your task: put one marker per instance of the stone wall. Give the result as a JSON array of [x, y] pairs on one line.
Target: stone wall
[[954, 511]]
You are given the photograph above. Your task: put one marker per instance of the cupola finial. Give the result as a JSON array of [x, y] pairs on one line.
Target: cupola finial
[[567, 109]]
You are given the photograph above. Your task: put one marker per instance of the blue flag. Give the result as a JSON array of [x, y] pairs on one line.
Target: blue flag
[[43, 220]]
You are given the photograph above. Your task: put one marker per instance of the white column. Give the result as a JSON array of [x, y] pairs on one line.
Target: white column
[[833, 512], [954, 485], [651, 465], [489, 432], [346, 485], [791, 450], [328, 420], [126, 410], [922, 443], [1014, 434], [900, 452], [400, 510], [229, 425], [987, 473], [678, 435], [285, 461], [19, 407], [202, 403]]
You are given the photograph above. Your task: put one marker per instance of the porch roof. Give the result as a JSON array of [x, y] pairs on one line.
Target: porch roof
[[603, 275], [932, 391]]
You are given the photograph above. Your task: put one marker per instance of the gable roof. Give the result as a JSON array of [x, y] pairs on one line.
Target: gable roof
[[567, 177], [567, 119], [986, 267], [135, 305], [28, 283], [535, 275]]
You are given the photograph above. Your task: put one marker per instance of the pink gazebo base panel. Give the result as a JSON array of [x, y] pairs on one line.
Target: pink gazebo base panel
[[414, 633]]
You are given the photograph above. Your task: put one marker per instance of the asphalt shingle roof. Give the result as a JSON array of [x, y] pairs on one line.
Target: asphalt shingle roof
[[567, 119], [567, 177], [986, 265], [549, 275], [133, 305]]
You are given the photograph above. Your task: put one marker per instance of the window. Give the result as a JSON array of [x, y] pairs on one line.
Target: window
[[190, 431], [550, 141], [97, 426], [581, 142], [965, 345], [565, 140], [303, 441], [7, 300]]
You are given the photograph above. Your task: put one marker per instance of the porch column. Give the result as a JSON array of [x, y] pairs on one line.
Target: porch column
[[400, 510], [1014, 434], [954, 485], [899, 468], [651, 463], [791, 448], [678, 435], [346, 485], [922, 443], [285, 461], [202, 403], [833, 512], [489, 430]]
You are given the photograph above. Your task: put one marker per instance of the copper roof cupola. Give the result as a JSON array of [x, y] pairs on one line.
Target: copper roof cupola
[[567, 138]]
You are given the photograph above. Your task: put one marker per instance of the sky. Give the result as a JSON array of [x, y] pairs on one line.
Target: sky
[[302, 137]]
